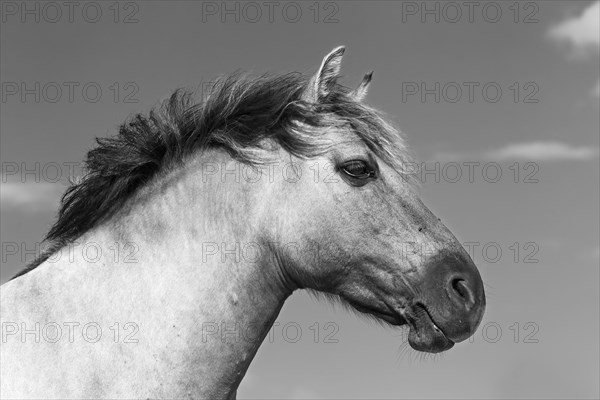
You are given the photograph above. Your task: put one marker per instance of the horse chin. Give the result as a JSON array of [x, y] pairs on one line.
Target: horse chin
[[424, 334]]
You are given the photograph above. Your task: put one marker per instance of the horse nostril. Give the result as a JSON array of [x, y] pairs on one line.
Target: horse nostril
[[459, 286]]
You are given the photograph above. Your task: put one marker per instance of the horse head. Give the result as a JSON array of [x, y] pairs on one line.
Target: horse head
[[363, 233]]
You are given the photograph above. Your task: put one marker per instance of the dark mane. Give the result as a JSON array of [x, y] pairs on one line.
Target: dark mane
[[240, 113]]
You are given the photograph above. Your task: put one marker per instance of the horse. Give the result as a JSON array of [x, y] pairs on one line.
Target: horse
[[171, 258]]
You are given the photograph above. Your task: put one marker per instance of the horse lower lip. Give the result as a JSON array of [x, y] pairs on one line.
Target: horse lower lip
[[424, 334]]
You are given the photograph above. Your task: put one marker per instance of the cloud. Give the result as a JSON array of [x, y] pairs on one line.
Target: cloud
[[30, 196], [531, 151], [543, 151], [582, 32]]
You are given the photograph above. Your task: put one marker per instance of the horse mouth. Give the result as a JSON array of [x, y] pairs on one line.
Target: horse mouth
[[424, 334]]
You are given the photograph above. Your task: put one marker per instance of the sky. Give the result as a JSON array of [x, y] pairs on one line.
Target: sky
[[500, 107]]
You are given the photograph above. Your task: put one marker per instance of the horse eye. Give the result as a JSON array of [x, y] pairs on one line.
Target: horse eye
[[358, 169]]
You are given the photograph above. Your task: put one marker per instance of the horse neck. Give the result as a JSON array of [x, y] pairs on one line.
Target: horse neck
[[202, 263]]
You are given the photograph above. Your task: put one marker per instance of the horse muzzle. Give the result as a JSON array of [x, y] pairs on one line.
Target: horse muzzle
[[450, 305]]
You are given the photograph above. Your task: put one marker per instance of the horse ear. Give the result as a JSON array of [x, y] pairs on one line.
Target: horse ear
[[361, 90], [325, 79]]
